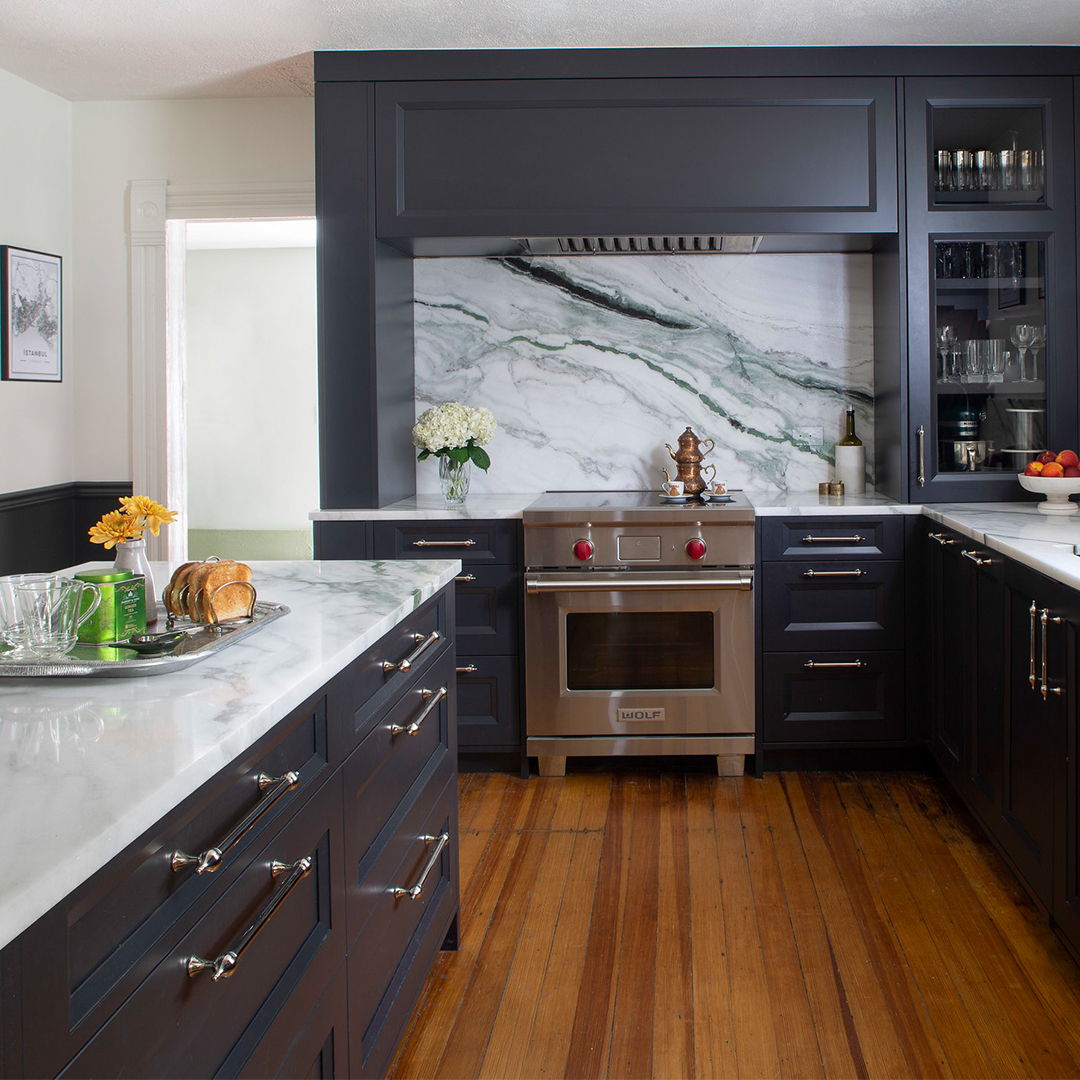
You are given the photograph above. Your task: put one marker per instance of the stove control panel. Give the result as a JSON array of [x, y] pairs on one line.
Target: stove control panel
[[696, 548]]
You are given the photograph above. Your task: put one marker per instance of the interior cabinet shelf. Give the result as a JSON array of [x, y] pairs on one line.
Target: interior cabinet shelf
[[1028, 389]]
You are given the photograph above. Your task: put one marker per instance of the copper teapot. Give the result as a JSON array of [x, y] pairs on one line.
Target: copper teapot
[[688, 459]]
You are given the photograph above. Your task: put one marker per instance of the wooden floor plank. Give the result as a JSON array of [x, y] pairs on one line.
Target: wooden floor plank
[[1023, 1032], [509, 1041], [918, 1039], [632, 1022], [879, 1040], [755, 1037], [1054, 975], [945, 1000], [549, 1041], [841, 1053], [590, 1040], [597, 800], [714, 1032], [567, 815], [673, 1005], [793, 1021], [489, 804]]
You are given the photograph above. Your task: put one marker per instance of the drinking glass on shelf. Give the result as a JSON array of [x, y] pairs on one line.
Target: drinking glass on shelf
[[944, 177], [946, 339], [1022, 336], [965, 170], [1038, 341], [985, 170], [1027, 170], [997, 357], [975, 357], [1007, 170]]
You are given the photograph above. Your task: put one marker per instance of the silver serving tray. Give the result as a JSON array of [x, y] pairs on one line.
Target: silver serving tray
[[117, 662]]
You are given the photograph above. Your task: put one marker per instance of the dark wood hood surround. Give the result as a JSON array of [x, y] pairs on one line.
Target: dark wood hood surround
[[445, 153]]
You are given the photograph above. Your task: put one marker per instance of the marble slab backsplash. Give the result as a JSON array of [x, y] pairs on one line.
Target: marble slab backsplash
[[592, 363]]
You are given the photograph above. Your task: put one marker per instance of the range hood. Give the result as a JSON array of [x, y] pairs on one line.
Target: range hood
[[641, 245]]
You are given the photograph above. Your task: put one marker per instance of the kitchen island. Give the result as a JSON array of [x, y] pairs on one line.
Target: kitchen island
[[105, 780]]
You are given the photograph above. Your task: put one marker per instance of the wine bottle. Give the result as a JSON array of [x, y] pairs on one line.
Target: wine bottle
[[851, 459]]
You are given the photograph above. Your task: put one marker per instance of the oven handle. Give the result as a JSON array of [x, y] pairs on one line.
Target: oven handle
[[635, 581]]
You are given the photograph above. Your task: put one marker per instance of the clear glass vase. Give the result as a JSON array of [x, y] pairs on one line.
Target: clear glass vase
[[131, 555], [454, 479]]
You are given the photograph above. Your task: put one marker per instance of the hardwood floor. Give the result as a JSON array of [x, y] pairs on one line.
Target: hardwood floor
[[649, 922]]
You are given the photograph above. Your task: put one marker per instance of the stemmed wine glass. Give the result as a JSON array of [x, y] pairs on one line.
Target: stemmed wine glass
[[946, 338], [1023, 336], [1037, 342]]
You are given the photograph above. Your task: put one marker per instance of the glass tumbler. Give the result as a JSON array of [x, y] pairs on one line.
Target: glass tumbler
[[51, 610]]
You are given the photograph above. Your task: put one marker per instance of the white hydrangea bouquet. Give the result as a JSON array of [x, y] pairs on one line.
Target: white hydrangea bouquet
[[455, 434]]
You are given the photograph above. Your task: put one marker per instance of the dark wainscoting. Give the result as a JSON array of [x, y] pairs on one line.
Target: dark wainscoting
[[46, 528]]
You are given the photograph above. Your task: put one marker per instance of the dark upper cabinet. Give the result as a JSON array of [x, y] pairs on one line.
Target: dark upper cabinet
[[634, 157], [991, 282]]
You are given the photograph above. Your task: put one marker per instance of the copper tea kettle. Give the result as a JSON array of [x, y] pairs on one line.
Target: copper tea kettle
[[688, 459]]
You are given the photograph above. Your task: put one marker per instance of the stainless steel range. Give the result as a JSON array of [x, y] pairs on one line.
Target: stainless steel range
[[639, 625]]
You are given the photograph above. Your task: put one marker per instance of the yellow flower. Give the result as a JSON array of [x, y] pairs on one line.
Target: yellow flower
[[154, 515], [115, 527]]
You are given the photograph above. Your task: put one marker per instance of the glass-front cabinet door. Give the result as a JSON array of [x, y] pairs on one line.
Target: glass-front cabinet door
[[991, 249]]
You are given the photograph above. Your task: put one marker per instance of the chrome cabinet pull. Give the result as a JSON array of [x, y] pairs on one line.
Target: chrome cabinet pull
[[1032, 612], [465, 577], [1045, 617], [832, 573], [440, 842], [468, 669], [920, 442], [407, 663], [444, 543], [432, 697], [226, 963], [833, 664], [856, 539], [210, 859], [977, 558], [941, 538]]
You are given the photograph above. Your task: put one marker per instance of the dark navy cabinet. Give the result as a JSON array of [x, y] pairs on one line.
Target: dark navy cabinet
[[347, 874]]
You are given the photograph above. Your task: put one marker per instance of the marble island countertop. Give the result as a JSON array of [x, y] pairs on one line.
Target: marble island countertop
[[87, 765]]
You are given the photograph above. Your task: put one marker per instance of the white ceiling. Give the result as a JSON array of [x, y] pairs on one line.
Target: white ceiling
[[98, 50]]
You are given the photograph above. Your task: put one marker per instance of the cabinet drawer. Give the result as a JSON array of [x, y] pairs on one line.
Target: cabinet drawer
[[837, 537], [212, 1025], [488, 702], [372, 688], [488, 605], [832, 605], [804, 704], [387, 925], [95, 947], [469, 541], [379, 774]]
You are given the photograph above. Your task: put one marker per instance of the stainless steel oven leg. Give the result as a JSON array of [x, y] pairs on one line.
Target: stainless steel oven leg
[[728, 764], [551, 764]]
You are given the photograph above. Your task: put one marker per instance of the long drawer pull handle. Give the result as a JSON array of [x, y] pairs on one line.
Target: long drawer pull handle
[[941, 538], [920, 441], [468, 669], [1045, 617], [440, 842], [465, 577], [833, 664], [832, 573], [1032, 615], [432, 697], [206, 863], [977, 558], [856, 539], [444, 543], [226, 963], [407, 663]]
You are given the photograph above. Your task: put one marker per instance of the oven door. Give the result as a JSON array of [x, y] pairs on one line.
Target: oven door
[[639, 653]]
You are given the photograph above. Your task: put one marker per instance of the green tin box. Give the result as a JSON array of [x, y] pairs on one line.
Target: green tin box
[[122, 611]]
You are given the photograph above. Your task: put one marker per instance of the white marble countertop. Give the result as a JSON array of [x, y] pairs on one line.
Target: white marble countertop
[[88, 765], [432, 508], [811, 504]]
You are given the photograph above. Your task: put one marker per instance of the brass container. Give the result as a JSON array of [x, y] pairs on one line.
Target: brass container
[[688, 460]]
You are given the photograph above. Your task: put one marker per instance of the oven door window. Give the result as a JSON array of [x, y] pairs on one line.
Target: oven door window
[[639, 650]]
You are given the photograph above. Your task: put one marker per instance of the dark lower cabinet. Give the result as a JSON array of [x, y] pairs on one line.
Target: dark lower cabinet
[[303, 954]]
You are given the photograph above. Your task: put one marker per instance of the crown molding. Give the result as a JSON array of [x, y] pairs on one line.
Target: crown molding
[[265, 200]]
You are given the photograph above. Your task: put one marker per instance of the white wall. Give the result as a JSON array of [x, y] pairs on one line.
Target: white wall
[[38, 419], [253, 460], [185, 142]]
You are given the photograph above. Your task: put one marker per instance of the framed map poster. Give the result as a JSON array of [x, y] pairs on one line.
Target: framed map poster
[[30, 289]]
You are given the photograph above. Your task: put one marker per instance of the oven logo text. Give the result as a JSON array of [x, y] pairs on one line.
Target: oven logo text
[[640, 714]]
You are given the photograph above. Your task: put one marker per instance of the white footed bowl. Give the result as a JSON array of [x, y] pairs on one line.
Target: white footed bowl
[[1057, 490]]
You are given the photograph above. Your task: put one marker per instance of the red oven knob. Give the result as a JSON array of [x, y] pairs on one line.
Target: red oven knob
[[696, 548], [583, 550]]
